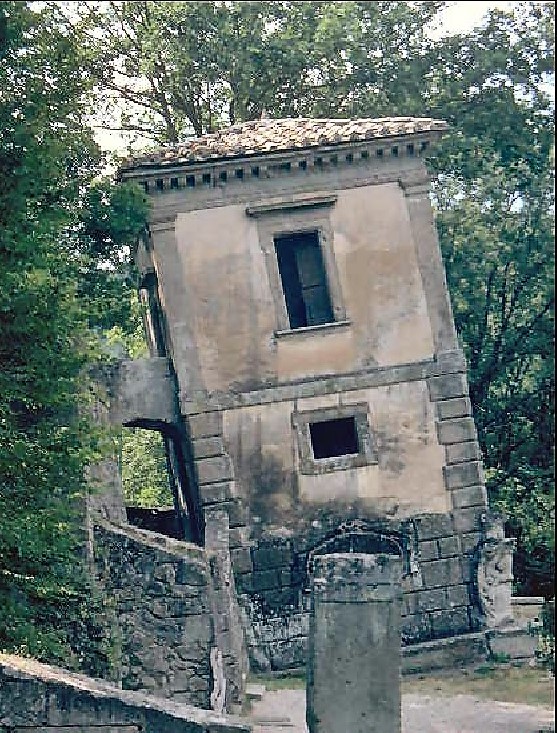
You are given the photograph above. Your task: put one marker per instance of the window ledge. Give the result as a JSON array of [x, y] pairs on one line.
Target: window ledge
[[318, 466], [322, 327]]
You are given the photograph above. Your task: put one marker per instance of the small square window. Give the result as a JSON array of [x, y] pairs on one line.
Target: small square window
[[330, 438], [303, 278], [334, 438]]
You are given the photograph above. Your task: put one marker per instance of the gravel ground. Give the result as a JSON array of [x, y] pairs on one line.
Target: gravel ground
[[283, 711]]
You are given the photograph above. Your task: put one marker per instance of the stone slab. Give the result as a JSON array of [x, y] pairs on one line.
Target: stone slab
[[79, 702]]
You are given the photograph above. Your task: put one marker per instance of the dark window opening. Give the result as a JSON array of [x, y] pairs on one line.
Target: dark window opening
[[334, 438], [304, 283]]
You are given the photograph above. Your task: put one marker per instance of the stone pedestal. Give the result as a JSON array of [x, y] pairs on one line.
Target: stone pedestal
[[354, 645]]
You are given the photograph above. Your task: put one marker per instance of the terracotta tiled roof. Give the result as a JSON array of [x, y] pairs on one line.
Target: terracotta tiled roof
[[269, 136]]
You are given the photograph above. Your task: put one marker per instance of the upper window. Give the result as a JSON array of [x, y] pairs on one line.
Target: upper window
[[303, 278], [296, 237]]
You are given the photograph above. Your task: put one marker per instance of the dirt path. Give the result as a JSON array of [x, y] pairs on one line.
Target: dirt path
[[283, 711]]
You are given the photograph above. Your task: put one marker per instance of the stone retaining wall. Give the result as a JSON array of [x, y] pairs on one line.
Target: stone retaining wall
[[37, 698], [158, 600]]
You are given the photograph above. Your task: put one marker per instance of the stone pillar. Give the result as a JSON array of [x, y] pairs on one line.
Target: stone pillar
[[229, 658], [354, 657]]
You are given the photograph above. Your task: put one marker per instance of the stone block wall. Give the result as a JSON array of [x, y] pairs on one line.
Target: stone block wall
[[158, 597], [39, 698], [438, 588]]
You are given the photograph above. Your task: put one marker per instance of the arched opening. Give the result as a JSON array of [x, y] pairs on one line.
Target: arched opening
[[156, 488], [358, 536]]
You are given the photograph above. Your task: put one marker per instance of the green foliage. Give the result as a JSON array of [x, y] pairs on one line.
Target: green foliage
[[144, 473], [47, 261], [495, 202], [196, 66]]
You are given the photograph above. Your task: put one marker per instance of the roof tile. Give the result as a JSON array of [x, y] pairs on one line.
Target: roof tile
[[269, 135]]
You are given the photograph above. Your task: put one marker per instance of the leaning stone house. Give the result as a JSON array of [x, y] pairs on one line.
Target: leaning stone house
[[305, 370]]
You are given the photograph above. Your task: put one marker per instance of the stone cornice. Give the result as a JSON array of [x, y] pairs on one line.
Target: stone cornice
[[189, 177]]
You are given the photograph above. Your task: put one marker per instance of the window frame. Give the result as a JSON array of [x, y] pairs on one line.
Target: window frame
[[367, 454], [288, 250], [299, 215]]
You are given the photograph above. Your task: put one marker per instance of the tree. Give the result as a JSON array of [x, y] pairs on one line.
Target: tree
[[173, 68], [176, 69], [496, 223], [47, 160]]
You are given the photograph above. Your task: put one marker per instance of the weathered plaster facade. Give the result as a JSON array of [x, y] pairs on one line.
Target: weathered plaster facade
[[250, 386]]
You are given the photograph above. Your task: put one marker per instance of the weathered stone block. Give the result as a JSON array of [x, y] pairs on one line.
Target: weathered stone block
[[458, 430], [217, 493], [469, 541], [514, 643], [451, 361], [455, 407], [447, 386], [448, 546], [439, 573], [416, 628], [468, 566], [213, 470], [430, 600], [207, 447], [444, 653], [463, 474], [265, 580], [145, 393], [238, 537], [458, 595], [460, 452], [272, 555], [468, 519], [469, 496], [241, 560], [205, 424], [451, 622], [428, 550], [431, 526]]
